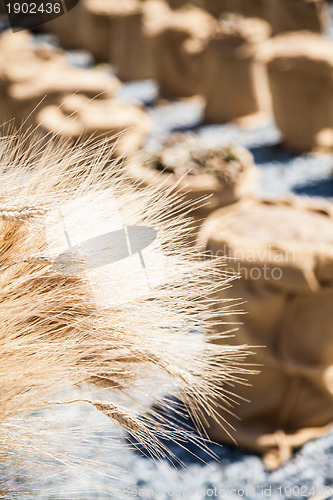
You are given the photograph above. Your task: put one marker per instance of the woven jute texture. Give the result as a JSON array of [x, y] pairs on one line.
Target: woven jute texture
[[300, 69], [283, 250], [234, 82]]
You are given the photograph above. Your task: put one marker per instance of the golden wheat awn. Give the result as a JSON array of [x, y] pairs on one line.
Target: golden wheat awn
[[55, 331]]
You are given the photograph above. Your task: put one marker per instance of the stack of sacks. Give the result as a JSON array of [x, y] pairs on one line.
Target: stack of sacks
[[177, 43], [293, 15], [27, 97], [234, 80], [78, 119], [219, 176], [300, 69], [21, 60], [283, 250]]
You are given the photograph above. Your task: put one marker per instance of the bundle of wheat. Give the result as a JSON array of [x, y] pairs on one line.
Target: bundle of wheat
[[97, 290]]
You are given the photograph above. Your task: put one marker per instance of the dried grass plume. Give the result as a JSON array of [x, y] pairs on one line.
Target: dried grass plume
[[122, 329]]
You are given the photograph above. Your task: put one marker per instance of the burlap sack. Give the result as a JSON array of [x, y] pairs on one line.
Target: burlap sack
[[206, 178], [293, 15], [69, 28], [247, 8], [78, 118], [283, 250], [27, 97], [131, 53], [234, 82], [300, 69], [177, 44], [177, 4], [20, 60]]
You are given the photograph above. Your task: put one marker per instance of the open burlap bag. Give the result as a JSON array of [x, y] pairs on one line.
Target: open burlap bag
[[283, 250], [78, 118], [27, 97], [234, 82], [206, 178], [300, 69], [20, 60], [293, 15], [177, 43]]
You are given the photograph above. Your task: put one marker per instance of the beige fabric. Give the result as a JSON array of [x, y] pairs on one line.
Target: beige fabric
[[248, 8], [21, 60], [177, 4], [130, 47], [300, 69], [293, 15], [203, 192], [283, 250], [234, 81], [80, 118], [177, 43], [115, 32], [69, 28], [50, 85]]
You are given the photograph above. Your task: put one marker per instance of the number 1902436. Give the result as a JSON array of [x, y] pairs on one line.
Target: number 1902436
[[31, 8]]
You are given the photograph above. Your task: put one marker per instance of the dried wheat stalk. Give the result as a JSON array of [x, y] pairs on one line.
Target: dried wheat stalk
[[53, 331]]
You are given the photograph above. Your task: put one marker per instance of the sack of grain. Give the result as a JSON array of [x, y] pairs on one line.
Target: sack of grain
[[300, 70], [79, 118], [177, 43], [248, 8], [234, 81], [27, 97], [20, 60], [207, 178], [283, 251], [69, 28], [130, 48], [293, 15], [116, 33]]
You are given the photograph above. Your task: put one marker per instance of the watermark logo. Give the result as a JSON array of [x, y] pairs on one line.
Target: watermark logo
[[30, 14], [267, 264]]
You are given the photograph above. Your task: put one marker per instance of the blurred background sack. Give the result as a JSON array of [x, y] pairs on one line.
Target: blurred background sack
[[283, 251]]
